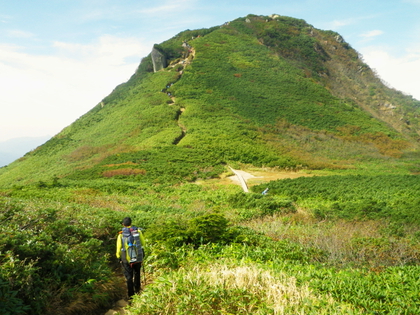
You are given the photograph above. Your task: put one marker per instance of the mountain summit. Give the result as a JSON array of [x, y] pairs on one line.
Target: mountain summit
[[263, 90]]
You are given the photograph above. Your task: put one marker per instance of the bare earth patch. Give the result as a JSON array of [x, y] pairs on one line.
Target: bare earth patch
[[118, 308], [256, 177]]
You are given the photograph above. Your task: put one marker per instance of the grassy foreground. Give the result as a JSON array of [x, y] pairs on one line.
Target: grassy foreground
[[214, 249]]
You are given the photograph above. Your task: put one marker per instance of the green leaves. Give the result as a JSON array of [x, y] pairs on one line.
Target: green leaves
[[355, 196], [47, 254], [389, 291], [258, 205], [209, 228], [204, 229], [10, 303]]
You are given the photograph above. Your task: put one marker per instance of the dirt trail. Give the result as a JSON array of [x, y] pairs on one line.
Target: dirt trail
[[241, 176], [256, 177], [184, 62], [118, 308]]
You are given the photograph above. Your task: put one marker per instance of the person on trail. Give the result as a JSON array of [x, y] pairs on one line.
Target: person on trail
[[131, 270]]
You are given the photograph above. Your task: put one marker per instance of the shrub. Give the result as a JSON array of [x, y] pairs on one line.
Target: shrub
[[50, 257], [124, 172], [210, 228], [354, 196], [204, 229], [10, 303], [254, 205]]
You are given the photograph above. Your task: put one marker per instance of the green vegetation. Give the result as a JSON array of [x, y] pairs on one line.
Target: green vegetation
[[50, 257], [356, 197], [343, 243], [259, 92]]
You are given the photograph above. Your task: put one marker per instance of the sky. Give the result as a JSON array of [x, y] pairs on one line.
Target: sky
[[59, 58]]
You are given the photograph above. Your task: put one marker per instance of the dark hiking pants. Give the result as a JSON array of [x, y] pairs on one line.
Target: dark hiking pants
[[132, 276]]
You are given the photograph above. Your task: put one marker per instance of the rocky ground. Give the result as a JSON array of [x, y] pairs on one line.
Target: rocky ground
[[118, 308]]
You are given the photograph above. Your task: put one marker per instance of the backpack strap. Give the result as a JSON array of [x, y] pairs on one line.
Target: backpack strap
[[123, 251]]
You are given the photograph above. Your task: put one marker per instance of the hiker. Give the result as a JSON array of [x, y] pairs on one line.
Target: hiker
[[130, 255]]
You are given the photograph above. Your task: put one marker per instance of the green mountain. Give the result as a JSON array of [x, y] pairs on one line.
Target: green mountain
[[267, 91], [270, 95]]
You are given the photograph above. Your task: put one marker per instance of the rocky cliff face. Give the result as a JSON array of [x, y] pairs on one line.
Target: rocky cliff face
[[158, 59]]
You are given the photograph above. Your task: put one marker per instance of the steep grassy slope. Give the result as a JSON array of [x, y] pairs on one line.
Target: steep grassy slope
[[259, 90]]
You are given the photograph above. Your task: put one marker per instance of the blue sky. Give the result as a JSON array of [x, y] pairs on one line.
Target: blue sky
[[59, 58]]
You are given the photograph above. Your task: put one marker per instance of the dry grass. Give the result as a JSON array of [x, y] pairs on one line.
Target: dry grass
[[281, 291], [265, 292], [83, 303], [301, 225], [357, 243], [256, 176]]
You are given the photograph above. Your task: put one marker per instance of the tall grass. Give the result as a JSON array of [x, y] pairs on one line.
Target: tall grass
[[371, 244], [238, 289]]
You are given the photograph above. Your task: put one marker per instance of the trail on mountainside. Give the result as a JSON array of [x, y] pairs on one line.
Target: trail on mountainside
[[260, 176], [189, 56], [119, 306], [241, 179]]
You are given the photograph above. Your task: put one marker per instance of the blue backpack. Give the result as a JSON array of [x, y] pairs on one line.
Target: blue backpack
[[131, 236]]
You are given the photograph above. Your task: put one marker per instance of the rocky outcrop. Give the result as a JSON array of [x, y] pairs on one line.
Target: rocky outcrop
[[158, 60]]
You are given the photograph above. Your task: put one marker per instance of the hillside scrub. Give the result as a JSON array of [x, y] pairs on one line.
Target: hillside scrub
[[54, 260], [251, 96], [226, 103], [256, 92], [249, 281], [354, 196], [51, 230]]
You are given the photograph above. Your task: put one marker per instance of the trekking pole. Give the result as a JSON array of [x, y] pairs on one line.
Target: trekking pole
[[144, 275]]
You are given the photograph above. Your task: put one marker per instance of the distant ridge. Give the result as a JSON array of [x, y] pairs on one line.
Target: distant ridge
[[15, 148]]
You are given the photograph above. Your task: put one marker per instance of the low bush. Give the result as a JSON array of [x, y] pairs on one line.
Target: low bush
[[203, 229], [257, 205], [354, 196], [56, 256]]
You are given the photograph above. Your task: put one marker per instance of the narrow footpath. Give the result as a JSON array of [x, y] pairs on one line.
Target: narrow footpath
[[185, 61], [118, 307]]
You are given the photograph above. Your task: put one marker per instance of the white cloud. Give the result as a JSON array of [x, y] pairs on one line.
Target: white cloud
[[400, 72], [371, 34], [107, 49], [354, 21], [173, 7], [5, 18], [340, 23], [19, 34], [143, 10], [43, 94]]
